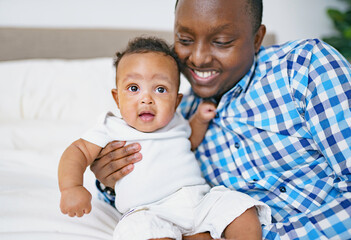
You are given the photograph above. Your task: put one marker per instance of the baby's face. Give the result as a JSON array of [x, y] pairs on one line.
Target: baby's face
[[147, 90]]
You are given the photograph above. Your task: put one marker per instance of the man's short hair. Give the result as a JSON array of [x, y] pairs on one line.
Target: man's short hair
[[254, 9]]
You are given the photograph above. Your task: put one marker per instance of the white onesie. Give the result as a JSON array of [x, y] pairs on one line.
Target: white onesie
[[167, 182], [167, 163]]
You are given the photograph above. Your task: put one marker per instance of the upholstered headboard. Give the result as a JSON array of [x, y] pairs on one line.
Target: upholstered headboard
[[29, 43], [25, 43]]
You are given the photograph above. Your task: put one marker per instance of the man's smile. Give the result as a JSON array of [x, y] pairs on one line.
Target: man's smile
[[203, 77]]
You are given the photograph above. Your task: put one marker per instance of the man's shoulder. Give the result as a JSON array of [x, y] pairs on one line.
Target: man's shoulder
[[296, 47]]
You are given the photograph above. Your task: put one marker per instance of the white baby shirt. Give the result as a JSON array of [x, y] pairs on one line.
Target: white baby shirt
[[167, 162]]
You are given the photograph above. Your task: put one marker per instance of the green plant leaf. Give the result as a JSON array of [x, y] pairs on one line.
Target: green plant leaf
[[347, 33], [342, 22], [335, 15], [346, 53], [334, 41], [348, 17]]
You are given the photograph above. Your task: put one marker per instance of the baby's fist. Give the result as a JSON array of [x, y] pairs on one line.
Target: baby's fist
[[206, 111], [75, 201]]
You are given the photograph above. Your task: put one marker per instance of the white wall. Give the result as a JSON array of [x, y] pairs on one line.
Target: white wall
[[288, 19], [293, 19], [156, 14]]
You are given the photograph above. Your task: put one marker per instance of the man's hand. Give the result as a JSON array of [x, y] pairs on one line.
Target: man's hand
[[75, 201], [115, 161]]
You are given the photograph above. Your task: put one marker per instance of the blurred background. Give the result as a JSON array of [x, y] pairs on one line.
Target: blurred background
[[287, 19]]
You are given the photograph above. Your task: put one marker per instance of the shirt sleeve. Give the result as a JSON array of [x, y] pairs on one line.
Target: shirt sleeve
[[105, 193], [326, 94], [98, 134]]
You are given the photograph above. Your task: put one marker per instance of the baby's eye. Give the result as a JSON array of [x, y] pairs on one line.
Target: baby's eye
[[161, 90], [133, 88]]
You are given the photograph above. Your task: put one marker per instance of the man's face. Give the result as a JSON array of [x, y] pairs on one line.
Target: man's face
[[147, 90], [215, 41]]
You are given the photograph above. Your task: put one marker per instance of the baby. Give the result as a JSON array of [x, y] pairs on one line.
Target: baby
[[165, 196]]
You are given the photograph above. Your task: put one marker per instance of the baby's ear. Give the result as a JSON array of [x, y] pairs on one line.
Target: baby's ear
[[179, 99], [115, 96]]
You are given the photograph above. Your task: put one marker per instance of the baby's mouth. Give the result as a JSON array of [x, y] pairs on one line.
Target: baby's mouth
[[146, 116]]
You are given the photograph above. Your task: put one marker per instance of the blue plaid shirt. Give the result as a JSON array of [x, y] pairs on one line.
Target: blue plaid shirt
[[283, 133]]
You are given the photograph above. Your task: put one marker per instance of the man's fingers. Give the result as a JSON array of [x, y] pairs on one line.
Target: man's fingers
[[123, 165], [116, 176], [108, 165], [114, 162], [114, 170], [118, 158], [120, 164], [119, 153], [112, 146]]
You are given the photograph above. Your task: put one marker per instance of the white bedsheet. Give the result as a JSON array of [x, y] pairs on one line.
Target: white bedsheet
[[29, 194], [44, 106]]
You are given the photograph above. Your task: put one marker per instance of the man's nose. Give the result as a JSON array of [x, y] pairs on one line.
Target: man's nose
[[200, 55]]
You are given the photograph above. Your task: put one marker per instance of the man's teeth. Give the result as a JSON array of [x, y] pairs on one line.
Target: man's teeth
[[204, 74]]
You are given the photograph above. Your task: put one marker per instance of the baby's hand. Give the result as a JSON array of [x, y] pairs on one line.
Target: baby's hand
[[75, 201], [206, 111]]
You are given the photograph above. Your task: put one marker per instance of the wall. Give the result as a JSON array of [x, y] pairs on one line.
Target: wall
[[288, 19], [294, 19]]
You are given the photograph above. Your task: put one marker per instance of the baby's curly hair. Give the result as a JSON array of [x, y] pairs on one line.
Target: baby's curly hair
[[146, 45]]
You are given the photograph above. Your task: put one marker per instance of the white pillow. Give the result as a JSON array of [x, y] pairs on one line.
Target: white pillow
[[67, 90]]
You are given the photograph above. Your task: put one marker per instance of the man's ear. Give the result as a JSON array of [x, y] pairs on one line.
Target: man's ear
[[115, 96], [179, 99], [259, 35]]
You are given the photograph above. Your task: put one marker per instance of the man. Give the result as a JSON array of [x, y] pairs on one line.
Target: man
[[282, 133]]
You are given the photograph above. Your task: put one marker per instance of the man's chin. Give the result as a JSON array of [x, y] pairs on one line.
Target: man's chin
[[205, 93]]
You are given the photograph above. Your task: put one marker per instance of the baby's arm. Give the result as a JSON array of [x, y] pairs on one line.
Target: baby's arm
[[76, 199], [199, 122]]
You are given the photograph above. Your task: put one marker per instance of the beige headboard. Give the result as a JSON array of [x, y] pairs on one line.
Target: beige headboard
[[28, 43], [25, 43]]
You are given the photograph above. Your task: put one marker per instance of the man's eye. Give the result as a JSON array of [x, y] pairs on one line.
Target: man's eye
[[133, 88], [161, 90], [185, 41], [222, 43]]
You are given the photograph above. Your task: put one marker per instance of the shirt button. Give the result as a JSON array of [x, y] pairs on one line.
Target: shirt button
[[282, 189], [237, 145]]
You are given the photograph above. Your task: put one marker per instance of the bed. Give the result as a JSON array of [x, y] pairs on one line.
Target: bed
[[53, 85]]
